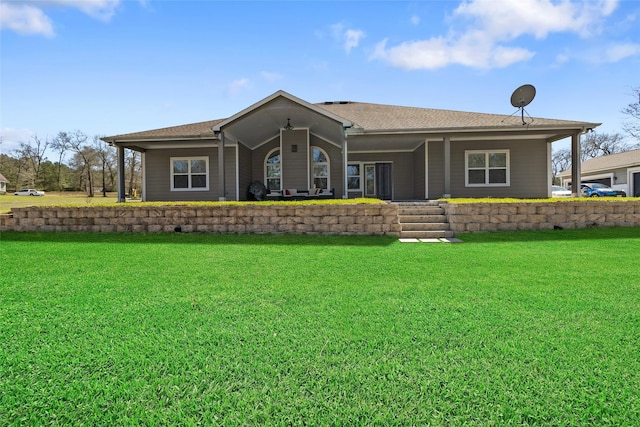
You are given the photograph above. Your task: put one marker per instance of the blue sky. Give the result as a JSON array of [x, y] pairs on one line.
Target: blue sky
[[108, 67]]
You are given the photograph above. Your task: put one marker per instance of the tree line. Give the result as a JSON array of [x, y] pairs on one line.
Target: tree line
[[81, 163]]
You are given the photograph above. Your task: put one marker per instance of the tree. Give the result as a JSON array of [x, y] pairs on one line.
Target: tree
[[560, 161], [601, 144], [105, 156], [61, 144], [632, 126], [33, 152], [133, 167], [84, 157]]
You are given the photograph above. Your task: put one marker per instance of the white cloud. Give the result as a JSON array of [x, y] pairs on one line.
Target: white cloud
[[490, 29], [415, 20], [28, 17], [238, 85], [619, 52], [350, 38], [25, 19]]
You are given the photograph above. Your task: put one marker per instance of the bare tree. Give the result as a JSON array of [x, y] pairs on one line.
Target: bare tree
[[78, 144], [601, 144], [104, 155], [560, 161], [133, 166], [33, 151], [61, 144], [632, 126]]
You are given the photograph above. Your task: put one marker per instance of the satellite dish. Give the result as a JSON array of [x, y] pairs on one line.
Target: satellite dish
[[523, 96]]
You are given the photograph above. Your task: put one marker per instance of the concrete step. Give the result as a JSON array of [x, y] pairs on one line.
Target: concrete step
[[424, 226], [419, 203], [421, 218], [420, 210], [428, 234]]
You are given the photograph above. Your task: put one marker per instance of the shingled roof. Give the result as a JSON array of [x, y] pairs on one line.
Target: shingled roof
[[391, 117], [377, 117], [612, 161]]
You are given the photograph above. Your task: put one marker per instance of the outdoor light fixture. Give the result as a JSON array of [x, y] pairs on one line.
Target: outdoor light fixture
[[288, 126]]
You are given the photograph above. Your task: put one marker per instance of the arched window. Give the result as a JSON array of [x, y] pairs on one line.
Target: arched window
[[272, 170], [320, 168]]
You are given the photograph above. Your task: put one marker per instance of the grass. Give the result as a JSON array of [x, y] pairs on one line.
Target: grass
[[527, 328], [9, 201]]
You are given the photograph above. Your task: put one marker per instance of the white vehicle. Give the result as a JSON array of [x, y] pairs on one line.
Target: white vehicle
[[557, 191], [29, 192]]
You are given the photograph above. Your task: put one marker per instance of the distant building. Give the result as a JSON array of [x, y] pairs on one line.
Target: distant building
[[619, 171], [3, 184]]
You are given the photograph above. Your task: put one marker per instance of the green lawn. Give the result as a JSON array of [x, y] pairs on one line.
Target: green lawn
[[527, 328]]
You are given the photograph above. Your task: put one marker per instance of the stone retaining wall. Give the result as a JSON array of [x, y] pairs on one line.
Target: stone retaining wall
[[373, 219], [474, 217]]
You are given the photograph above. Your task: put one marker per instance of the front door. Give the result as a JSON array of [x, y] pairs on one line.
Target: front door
[[636, 184], [378, 181]]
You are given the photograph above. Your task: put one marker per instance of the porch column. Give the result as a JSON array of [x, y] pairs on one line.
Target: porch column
[[121, 178], [447, 167], [576, 172], [345, 195], [222, 196]]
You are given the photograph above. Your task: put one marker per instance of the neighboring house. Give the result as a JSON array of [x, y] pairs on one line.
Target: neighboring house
[[3, 184], [356, 149], [619, 171]]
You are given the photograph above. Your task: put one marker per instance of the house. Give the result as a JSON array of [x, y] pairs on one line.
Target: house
[[3, 184], [352, 149], [619, 171]]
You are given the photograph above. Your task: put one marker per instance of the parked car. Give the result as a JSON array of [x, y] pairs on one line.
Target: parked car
[[557, 191], [598, 190], [29, 192]]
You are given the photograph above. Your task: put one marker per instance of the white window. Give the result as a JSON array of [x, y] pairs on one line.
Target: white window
[[487, 168], [272, 170], [189, 173], [320, 168], [353, 177]]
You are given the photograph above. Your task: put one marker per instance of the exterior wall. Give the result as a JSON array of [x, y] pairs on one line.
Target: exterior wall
[[244, 173], [295, 165], [158, 174], [370, 219], [475, 217], [528, 169], [436, 169], [419, 173], [259, 155], [402, 171]]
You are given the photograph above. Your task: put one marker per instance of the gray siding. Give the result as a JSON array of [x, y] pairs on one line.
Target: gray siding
[[295, 165], [158, 174], [528, 169], [436, 169], [418, 173], [245, 177]]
